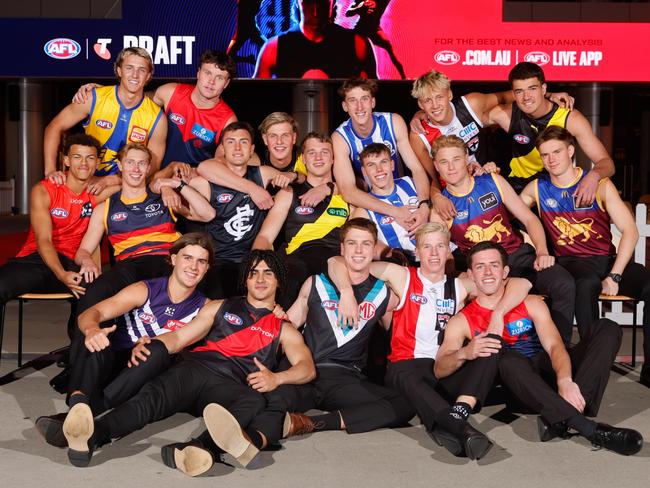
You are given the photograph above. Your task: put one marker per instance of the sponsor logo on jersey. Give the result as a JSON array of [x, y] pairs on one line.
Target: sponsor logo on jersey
[[119, 216], [468, 131], [173, 325], [62, 48], [446, 57], [152, 207], [177, 119], [337, 212], [146, 317], [551, 202], [138, 134], [445, 305], [488, 200], [224, 197], [202, 133], [386, 220], [59, 213], [303, 210], [232, 318], [265, 333], [390, 147], [367, 310], [329, 304], [519, 327], [538, 57], [104, 124], [419, 299], [462, 215], [521, 139], [584, 206]]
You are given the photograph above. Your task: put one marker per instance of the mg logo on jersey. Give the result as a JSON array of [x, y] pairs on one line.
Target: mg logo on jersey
[[238, 225], [104, 124], [59, 213], [329, 304], [232, 318], [304, 210], [177, 119], [521, 139], [147, 318], [62, 48], [367, 310], [419, 299], [538, 57], [119, 216], [224, 197], [152, 207], [446, 57]]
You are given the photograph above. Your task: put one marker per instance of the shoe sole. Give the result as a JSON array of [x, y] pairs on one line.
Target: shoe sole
[[192, 460], [448, 441], [227, 434], [286, 426], [52, 431], [78, 428]]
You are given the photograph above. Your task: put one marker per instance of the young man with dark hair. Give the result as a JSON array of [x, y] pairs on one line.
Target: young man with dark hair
[[484, 204], [115, 115], [532, 348], [233, 366], [581, 236]]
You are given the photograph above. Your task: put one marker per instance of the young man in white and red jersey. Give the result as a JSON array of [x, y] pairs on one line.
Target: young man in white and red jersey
[[427, 300], [59, 216], [533, 350], [581, 237]]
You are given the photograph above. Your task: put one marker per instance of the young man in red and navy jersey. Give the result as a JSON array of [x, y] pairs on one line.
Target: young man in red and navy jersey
[[427, 300], [532, 348], [581, 236], [142, 310], [223, 378], [484, 204], [59, 216]]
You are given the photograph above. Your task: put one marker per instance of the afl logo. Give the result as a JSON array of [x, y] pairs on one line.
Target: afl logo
[[419, 299], [232, 318], [177, 119], [104, 124], [304, 210], [152, 207], [59, 213], [62, 48], [224, 198], [146, 318], [386, 220], [447, 57], [329, 304], [538, 57], [367, 310], [521, 139], [118, 217]]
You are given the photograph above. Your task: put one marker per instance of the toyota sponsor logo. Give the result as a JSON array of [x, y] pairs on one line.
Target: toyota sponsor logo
[[419, 299], [304, 210], [177, 119], [119, 216], [104, 124], [152, 207], [232, 318], [521, 139], [59, 213], [224, 198], [62, 48], [538, 57], [447, 57]]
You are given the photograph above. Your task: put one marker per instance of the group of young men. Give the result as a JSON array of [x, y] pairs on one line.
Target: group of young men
[[349, 242]]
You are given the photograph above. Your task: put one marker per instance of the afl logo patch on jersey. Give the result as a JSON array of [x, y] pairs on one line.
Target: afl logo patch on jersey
[[147, 318], [304, 210], [104, 124], [138, 134], [386, 220], [521, 139], [329, 304], [119, 216], [177, 119], [417, 298], [224, 197], [232, 318], [59, 213], [367, 310]]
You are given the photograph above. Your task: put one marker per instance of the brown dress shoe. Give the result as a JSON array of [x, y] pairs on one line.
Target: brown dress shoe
[[297, 424]]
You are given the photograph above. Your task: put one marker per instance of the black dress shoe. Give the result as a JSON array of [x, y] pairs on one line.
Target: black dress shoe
[[191, 458], [51, 427], [548, 431], [60, 381], [617, 439], [79, 430], [470, 442], [448, 440]]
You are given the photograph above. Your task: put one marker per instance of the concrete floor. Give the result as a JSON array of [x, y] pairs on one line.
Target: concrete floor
[[384, 458]]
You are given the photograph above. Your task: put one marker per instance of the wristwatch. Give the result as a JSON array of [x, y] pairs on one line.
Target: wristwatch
[[426, 202], [180, 187], [616, 278]]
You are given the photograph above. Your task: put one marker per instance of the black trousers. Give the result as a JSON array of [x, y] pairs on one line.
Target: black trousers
[[530, 379], [30, 274], [187, 386], [589, 273], [301, 264], [364, 406], [554, 282], [414, 378]]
